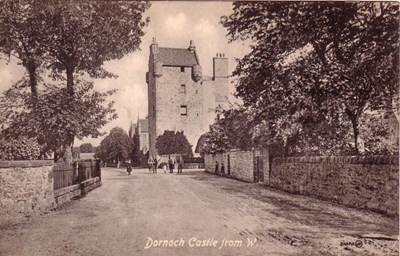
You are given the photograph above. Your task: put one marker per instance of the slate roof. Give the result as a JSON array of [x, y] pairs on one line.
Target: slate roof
[[177, 57], [144, 125]]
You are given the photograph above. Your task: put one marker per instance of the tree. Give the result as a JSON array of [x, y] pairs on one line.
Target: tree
[[21, 149], [22, 36], [86, 148], [171, 142], [68, 40], [116, 146], [55, 120], [232, 130], [316, 67]]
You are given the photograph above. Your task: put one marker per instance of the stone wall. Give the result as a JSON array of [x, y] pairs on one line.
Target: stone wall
[[361, 182], [26, 188], [211, 159], [239, 166]]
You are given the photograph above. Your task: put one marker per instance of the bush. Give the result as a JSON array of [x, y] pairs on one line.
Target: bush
[[19, 149]]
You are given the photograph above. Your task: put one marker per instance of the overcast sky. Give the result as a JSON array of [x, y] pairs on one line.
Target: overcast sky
[[173, 24]]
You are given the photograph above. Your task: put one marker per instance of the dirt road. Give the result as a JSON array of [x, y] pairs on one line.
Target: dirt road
[[198, 214]]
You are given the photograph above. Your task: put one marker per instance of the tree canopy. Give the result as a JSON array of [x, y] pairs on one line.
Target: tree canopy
[[67, 42], [171, 142], [86, 148], [316, 67], [115, 146], [232, 130]]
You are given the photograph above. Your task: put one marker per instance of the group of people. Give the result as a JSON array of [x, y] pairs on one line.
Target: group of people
[[171, 165]]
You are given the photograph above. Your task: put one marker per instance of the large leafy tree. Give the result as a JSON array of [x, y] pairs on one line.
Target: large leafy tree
[[22, 35], [232, 130], [171, 142], [56, 119], [67, 40], [316, 67], [117, 146]]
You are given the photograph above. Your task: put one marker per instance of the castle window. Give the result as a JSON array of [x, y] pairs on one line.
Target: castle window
[[183, 110], [182, 69], [183, 88]]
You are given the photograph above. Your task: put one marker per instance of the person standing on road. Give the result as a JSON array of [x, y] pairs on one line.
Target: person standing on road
[[171, 166], [150, 163], [216, 167], [179, 166], [222, 169], [128, 167]]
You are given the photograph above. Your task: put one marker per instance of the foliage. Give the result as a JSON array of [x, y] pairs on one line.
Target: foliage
[[65, 40], [19, 149], [115, 146], [55, 121], [71, 37], [86, 148], [315, 68], [232, 130], [171, 142]]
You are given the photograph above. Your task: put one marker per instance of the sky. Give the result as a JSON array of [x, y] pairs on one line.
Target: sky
[[173, 24]]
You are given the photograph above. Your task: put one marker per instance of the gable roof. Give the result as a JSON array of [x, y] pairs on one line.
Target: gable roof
[[177, 57]]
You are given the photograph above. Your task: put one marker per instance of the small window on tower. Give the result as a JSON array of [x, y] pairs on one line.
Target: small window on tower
[[183, 110], [182, 69], [183, 88]]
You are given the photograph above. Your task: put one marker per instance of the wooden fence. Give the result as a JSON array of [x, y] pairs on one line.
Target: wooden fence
[[67, 175], [63, 176]]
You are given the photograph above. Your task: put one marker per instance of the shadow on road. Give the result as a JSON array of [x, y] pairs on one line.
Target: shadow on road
[[302, 209]]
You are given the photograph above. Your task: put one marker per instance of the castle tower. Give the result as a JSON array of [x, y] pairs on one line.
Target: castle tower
[[176, 91]]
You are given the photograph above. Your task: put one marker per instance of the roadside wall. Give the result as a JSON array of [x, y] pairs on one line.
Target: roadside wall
[[240, 164], [362, 182], [26, 187]]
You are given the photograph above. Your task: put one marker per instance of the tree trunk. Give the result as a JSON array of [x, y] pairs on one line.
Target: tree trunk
[[31, 68], [356, 133], [68, 154], [70, 81]]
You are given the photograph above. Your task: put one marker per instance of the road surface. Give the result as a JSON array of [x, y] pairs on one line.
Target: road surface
[[198, 213]]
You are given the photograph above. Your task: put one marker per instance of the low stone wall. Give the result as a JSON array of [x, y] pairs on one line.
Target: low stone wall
[[90, 184], [361, 182], [211, 159], [26, 188], [239, 166], [66, 194], [193, 165]]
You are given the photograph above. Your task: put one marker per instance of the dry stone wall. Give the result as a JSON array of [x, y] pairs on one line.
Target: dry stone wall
[[361, 182]]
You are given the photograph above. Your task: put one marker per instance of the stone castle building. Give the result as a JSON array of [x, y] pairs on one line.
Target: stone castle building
[[180, 97]]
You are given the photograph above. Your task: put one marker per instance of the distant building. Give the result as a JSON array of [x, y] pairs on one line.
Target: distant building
[[143, 132], [179, 96]]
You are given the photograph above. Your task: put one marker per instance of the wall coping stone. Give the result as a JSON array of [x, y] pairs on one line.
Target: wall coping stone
[[26, 163], [66, 190], [62, 167], [377, 159]]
